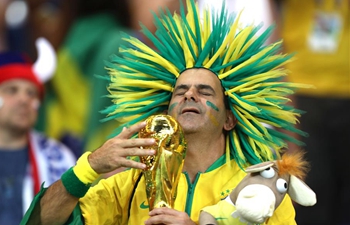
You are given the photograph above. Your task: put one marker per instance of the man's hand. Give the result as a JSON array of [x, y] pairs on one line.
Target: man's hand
[[168, 216], [114, 152]]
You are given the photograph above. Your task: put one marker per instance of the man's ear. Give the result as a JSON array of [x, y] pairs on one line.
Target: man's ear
[[231, 120]]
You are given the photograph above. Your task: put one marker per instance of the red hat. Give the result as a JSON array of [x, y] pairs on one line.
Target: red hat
[[18, 66], [15, 65]]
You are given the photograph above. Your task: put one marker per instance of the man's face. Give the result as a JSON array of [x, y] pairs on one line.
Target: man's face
[[19, 101], [198, 102]]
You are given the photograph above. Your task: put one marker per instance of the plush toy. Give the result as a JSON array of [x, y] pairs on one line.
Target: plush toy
[[256, 197]]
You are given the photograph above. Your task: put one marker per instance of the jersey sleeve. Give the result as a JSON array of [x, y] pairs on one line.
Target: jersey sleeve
[[107, 202]]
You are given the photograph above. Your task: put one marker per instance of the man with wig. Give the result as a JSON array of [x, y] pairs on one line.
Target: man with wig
[[221, 84]]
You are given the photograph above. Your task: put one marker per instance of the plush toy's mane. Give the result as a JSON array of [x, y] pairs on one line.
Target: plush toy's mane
[[293, 164]]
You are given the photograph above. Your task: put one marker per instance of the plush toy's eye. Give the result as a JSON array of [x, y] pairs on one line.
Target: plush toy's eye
[[282, 186], [268, 173]]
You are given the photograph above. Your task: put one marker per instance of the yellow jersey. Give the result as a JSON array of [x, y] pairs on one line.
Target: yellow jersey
[[121, 199], [318, 32]]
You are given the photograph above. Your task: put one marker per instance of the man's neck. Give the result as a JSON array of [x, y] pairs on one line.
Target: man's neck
[[202, 153], [12, 141]]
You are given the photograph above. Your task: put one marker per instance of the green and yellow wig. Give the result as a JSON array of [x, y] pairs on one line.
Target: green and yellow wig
[[142, 78]]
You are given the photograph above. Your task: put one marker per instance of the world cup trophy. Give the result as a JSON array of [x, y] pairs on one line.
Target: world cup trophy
[[163, 169]]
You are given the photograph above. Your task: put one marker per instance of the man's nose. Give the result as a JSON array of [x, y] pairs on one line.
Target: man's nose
[[190, 95]]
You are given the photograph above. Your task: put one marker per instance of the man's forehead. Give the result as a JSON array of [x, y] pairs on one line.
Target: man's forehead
[[16, 82], [198, 76]]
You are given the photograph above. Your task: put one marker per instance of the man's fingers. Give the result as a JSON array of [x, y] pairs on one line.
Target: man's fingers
[[163, 210], [132, 164], [132, 143], [128, 132], [137, 152], [169, 216], [123, 139], [113, 153], [139, 142]]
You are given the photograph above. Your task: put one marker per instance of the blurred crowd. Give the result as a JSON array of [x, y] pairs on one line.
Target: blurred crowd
[[86, 33]]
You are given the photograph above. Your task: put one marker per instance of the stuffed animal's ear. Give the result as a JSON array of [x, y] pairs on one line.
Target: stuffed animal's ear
[[259, 167], [300, 192]]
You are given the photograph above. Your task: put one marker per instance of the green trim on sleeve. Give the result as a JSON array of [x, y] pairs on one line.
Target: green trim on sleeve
[[35, 201], [75, 218]]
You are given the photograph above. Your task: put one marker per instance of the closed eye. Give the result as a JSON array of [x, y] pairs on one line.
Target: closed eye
[[206, 94], [179, 93], [181, 90], [205, 90], [11, 90]]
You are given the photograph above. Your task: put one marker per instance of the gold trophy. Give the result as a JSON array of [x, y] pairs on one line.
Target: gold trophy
[[165, 167]]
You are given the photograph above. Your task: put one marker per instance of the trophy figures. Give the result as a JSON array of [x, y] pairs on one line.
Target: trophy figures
[[164, 168]]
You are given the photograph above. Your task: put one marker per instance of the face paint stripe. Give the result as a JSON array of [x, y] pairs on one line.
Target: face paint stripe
[[171, 107], [213, 119], [210, 104]]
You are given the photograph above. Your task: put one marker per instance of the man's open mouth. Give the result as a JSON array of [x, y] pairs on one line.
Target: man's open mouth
[[190, 110]]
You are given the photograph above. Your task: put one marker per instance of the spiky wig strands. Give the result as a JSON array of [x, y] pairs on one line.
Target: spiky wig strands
[[142, 79]]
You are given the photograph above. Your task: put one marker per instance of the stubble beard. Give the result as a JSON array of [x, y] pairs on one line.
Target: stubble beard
[[18, 128], [190, 123]]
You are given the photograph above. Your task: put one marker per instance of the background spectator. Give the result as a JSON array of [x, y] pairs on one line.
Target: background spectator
[[27, 157], [318, 32]]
